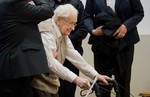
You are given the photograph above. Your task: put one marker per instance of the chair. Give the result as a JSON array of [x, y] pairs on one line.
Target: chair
[[145, 93]]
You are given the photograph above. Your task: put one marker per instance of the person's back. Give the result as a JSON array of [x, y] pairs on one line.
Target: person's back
[[20, 44], [18, 36]]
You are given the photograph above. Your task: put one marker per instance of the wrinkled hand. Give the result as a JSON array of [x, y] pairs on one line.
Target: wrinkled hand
[[82, 83], [103, 79], [55, 54], [98, 31], [121, 32]]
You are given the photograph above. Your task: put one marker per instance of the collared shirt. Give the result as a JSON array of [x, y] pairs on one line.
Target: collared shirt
[[111, 3], [49, 41]]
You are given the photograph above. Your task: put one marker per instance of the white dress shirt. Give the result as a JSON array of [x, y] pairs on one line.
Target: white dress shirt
[[111, 3], [49, 41]]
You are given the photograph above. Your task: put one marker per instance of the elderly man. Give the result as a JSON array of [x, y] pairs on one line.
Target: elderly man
[[58, 46], [76, 36]]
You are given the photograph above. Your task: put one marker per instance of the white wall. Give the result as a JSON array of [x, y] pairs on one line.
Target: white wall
[[140, 78], [141, 66], [145, 24]]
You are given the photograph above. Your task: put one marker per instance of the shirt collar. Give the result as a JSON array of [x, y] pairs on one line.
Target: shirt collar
[[58, 33]]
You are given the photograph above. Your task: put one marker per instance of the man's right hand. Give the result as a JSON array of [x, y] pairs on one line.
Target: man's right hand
[[98, 31], [82, 83], [55, 54]]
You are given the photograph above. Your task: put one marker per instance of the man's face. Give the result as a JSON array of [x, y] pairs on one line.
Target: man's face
[[67, 24]]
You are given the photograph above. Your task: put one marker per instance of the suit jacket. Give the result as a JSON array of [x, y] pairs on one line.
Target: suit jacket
[[21, 49], [130, 13], [110, 22]]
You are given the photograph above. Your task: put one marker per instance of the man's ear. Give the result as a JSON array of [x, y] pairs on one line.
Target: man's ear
[[58, 20]]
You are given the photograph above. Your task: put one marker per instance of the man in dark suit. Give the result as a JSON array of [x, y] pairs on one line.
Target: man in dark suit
[[76, 38], [22, 53], [130, 13]]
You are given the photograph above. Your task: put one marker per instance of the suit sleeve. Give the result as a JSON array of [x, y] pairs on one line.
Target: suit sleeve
[[137, 16], [80, 31], [89, 15], [27, 12]]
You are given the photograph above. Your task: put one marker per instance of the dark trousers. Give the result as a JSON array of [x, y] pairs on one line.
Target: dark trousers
[[68, 89], [118, 65], [20, 87]]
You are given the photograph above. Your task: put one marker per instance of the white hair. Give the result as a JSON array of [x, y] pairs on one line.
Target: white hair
[[64, 11]]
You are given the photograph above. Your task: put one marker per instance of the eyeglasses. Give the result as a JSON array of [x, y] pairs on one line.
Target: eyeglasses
[[69, 23]]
